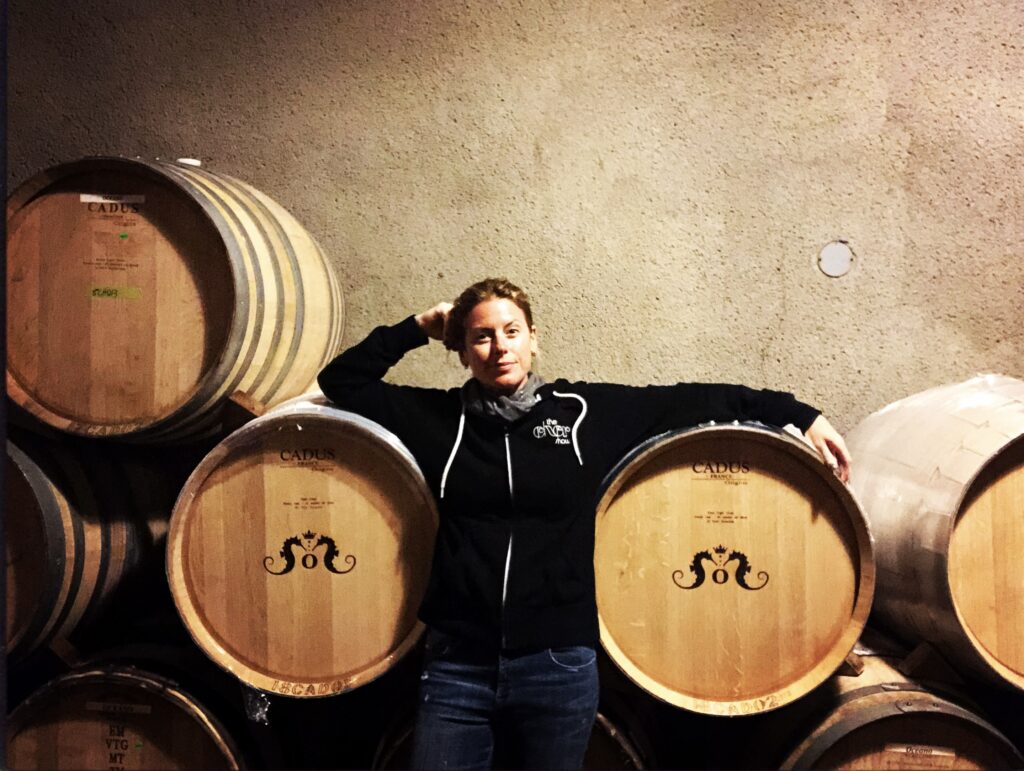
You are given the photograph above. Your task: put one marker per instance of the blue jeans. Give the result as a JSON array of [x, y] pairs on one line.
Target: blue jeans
[[534, 709]]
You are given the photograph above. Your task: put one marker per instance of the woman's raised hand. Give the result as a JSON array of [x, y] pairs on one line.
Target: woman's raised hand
[[828, 442], [432, 321]]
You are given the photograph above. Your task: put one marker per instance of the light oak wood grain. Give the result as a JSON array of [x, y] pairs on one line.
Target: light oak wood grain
[[142, 294], [281, 614], [726, 646]]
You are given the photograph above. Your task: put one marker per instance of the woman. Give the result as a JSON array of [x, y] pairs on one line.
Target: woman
[[515, 465]]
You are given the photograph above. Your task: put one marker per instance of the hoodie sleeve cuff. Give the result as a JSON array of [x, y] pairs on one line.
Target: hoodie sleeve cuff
[[804, 416], [409, 335]]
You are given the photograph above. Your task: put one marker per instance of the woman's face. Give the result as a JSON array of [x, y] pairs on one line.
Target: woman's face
[[499, 345]]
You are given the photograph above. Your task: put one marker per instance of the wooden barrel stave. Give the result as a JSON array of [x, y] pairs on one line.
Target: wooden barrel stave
[[37, 523], [83, 567], [250, 319], [286, 294], [315, 278], [258, 286], [280, 247]]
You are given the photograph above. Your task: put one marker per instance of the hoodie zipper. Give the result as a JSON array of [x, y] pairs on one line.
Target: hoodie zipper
[[508, 554]]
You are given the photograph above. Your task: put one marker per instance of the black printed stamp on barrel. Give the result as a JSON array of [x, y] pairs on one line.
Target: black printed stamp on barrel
[[308, 542], [719, 559]]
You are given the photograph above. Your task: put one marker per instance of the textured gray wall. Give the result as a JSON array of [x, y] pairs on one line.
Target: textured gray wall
[[660, 175]]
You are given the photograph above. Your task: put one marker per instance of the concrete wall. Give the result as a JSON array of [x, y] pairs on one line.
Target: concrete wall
[[660, 175]]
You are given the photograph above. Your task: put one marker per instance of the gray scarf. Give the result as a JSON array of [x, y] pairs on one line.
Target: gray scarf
[[479, 401]]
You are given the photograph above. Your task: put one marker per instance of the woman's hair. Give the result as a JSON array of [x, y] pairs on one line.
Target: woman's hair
[[488, 289]]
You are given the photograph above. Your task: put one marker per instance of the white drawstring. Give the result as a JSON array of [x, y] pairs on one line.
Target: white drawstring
[[458, 440], [576, 425], [575, 439]]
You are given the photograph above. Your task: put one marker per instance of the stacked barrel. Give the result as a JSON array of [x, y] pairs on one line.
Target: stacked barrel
[[735, 575], [300, 549], [942, 473], [285, 554], [734, 572], [79, 522], [141, 296], [117, 716], [873, 715]]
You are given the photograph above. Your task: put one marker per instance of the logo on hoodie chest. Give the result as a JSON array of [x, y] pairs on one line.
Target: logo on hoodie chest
[[553, 431]]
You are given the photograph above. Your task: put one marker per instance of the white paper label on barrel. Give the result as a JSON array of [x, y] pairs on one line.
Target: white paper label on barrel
[[93, 198]]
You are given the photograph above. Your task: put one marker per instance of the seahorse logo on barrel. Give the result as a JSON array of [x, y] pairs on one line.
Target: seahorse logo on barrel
[[719, 574], [309, 543]]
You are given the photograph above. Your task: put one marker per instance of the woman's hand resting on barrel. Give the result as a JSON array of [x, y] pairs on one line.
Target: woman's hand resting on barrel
[[830, 445]]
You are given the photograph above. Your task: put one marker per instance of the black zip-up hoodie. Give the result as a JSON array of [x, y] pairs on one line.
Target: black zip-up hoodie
[[514, 558]]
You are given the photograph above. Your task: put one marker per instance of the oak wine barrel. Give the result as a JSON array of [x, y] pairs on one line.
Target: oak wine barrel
[[142, 294], [941, 478], [881, 719], [79, 520], [116, 717], [299, 551], [734, 571]]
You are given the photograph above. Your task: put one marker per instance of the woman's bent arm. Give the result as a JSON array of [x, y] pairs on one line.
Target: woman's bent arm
[[354, 379]]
